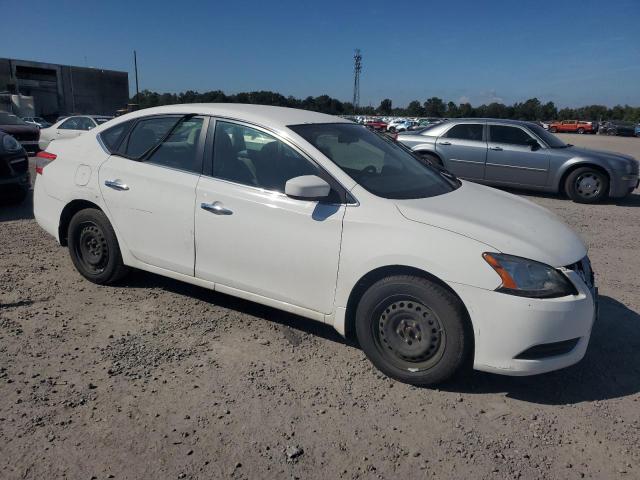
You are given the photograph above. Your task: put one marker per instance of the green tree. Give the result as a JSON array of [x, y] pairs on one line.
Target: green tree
[[415, 109], [385, 107], [434, 107]]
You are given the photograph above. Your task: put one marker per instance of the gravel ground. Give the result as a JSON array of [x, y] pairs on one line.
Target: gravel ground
[[158, 379]]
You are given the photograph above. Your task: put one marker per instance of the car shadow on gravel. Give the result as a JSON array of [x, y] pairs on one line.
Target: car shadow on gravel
[[610, 369], [141, 279], [10, 211]]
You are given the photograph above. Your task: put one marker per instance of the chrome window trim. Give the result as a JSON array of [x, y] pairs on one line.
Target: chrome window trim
[[291, 144]]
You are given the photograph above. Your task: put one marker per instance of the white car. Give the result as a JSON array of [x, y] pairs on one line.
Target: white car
[[70, 127], [318, 216], [393, 124]]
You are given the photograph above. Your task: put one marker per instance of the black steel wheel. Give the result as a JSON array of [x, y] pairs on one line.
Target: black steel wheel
[[94, 248], [409, 334], [413, 329]]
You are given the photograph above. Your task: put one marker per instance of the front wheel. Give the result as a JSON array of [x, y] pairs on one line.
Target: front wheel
[[430, 158], [413, 330], [581, 131], [94, 248], [553, 129], [587, 185]]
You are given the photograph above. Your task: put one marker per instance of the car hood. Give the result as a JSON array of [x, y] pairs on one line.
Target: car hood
[[502, 221], [587, 152]]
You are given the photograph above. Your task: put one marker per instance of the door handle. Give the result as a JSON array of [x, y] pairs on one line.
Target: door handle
[[216, 207], [444, 143], [497, 149], [116, 185]]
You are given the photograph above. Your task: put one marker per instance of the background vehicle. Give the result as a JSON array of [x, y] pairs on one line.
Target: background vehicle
[[391, 126], [519, 154], [404, 256], [69, 127], [14, 169], [572, 126], [404, 125], [37, 121], [24, 133], [637, 130], [376, 124], [626, 129]]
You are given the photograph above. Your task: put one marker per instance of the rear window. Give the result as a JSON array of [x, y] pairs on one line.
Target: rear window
[[112, 137]]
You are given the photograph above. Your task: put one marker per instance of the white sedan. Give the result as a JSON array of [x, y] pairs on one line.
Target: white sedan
[[70, 127], [318, 216]]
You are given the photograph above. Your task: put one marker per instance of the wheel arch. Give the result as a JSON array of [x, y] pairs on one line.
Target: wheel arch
[[574, 166], [368, 279], [67, 214]]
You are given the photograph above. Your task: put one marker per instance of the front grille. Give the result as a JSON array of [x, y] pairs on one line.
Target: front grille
[[545, 350], [584, 270]]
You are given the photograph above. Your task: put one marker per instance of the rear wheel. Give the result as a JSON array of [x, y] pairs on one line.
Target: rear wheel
[[553, 129], [612, 132], [581, 131], [587, 185], [413, 330], [94, 248]]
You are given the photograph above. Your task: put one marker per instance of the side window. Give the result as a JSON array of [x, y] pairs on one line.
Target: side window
[[70, 124], [510, 135], [85, 123], [180, 149], [147, 134], [465, 131], [113, 136], [248, 156]]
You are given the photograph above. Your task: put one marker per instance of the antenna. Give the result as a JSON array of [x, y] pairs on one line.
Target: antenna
[[357, 67]]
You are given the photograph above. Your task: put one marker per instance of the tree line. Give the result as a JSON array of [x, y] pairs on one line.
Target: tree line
[[532, 109]]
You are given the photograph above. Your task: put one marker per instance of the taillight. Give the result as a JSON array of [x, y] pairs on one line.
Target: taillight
[[46, 156]]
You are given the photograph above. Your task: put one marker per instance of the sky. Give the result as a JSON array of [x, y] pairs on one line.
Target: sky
[[570, 52]]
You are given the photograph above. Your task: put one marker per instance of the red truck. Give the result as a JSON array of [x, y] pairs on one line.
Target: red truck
[[572, 126]]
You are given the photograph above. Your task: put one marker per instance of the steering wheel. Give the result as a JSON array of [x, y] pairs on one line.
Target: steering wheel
[[370, 169]]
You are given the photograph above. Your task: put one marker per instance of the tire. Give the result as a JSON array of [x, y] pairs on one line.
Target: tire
[[553, 129], [587, 185], [94, 248], [612, 132], [431, 159], [394, 318], [581, 131]]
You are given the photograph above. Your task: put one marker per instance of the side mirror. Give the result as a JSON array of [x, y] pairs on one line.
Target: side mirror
[[307, 187], [533, 144]]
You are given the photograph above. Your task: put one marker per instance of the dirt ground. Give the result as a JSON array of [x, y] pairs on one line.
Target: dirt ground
[[161, 380]]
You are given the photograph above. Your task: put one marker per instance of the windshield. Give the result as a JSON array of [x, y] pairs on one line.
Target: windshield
[[548, 138], [101, 120], [8, 119], [376, 163]]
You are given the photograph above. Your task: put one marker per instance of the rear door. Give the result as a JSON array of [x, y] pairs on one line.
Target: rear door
[[149, 189], [511, 159], [464, 150]]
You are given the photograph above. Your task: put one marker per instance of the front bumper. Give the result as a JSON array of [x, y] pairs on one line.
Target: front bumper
[[622, 184], [505, 326]]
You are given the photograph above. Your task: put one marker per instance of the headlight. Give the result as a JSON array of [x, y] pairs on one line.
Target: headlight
[[527, 278], [10, 144]]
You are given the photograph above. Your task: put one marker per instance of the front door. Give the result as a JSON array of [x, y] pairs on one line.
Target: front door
[[464, 150], [511, 159], [250, 236], [150, 187]]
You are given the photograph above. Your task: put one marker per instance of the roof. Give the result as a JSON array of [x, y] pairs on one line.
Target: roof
[[497, 120], [274, 117]]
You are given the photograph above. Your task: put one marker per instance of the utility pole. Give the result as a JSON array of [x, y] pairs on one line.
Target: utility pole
[[357, 67], [135, 66]]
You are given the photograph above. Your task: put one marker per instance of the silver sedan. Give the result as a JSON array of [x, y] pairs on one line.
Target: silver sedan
[[517, 154]]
